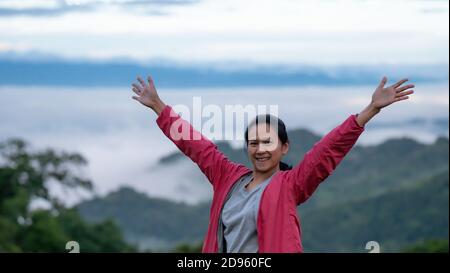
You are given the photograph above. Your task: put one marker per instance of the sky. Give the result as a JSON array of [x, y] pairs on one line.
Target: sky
[[287, 32], [119, 137]]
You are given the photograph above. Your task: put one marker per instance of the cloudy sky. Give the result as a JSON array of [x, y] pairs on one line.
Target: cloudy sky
[[231, 31], [119, 137]]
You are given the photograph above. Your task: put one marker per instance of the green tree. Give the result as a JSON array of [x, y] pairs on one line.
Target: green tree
[[25, 176]]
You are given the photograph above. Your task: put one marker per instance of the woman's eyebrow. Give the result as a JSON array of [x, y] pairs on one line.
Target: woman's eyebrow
[[259, 138]]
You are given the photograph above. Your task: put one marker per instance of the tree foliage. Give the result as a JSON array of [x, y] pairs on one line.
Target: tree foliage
[[25, 176]]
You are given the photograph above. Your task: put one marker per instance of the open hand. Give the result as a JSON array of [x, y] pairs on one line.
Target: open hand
[[147, 95], [384, 96]]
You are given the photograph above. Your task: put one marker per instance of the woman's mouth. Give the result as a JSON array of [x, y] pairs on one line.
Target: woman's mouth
[[262, 159]]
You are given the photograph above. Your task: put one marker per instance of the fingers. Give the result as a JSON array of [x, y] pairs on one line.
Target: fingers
[[136, 98], [383, 82], [150, 80], [142, 82], [401, 98], [403, 88], [405, 93], [400, 82], [136, 89]]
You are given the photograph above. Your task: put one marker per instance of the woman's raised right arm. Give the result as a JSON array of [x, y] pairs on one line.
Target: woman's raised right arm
[[213, 163]]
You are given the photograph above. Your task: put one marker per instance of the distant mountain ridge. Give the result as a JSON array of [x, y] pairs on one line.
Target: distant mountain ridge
[[371, 169], [43, 71], [396, 219], [395, 192]]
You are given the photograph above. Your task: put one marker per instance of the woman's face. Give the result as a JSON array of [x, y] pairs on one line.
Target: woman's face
[[264, 148]]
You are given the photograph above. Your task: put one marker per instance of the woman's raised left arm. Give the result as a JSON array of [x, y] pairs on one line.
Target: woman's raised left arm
[[322, 159]]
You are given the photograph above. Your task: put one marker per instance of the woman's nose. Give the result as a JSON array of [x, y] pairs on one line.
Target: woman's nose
[[261, 148]]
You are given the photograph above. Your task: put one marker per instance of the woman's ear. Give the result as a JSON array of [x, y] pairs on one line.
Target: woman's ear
[[285, 148]]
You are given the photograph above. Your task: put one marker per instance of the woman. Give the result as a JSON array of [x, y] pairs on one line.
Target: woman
[[255, 210]]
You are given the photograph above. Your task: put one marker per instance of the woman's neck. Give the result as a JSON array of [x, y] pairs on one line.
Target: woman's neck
[[259, 177]]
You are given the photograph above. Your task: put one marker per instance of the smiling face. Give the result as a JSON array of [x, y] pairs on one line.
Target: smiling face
[[264, 148]]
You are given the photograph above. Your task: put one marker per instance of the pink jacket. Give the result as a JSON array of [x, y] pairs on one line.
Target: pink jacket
[[278, 225]]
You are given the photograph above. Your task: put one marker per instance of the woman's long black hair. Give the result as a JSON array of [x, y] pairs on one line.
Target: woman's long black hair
[[282, 133]]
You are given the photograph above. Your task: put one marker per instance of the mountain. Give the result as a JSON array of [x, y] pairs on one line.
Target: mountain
[[47, 71], [148, 222], [401, 217], [395, 193], [396, 219], [366, 171]]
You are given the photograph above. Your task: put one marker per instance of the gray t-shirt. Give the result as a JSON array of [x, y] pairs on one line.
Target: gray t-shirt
[[239, 216]]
